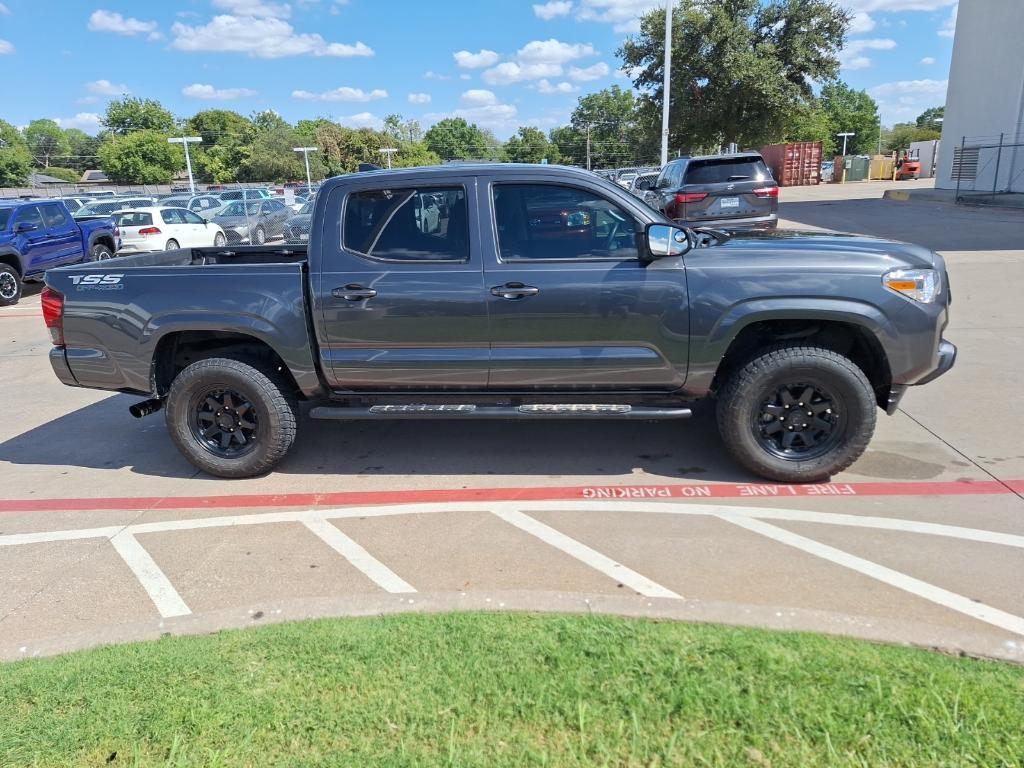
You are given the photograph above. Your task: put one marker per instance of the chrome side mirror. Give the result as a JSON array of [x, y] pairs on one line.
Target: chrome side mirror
[[665, 240]]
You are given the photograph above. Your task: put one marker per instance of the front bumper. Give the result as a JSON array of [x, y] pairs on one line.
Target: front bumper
[[753, 223], [947, 357]]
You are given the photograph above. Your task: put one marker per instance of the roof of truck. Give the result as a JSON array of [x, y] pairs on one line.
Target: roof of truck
[[462, 169]]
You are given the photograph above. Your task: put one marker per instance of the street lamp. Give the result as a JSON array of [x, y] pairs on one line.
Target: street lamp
[[305, 155], [845, 137], [185, 141], [388, 151]]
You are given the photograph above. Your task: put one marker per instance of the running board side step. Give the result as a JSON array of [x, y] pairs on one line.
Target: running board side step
[[536, 411]]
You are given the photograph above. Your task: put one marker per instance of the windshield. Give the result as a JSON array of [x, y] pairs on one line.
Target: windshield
[[237, 209], [5, 216], [724, 170], [307, 208], [98, 209]]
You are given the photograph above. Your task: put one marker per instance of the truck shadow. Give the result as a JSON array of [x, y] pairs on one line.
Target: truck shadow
[[104, 436]]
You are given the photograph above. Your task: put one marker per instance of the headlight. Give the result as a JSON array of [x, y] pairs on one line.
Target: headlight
[[922, 285]]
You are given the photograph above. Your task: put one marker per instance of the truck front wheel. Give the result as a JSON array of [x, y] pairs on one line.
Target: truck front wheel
[[797, 414], [229, 418], [10, 285]]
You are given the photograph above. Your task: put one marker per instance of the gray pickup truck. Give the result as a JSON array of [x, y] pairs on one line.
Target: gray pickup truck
[[510, 292]]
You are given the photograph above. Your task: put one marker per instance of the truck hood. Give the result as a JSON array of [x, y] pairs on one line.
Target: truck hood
[[839, 248]]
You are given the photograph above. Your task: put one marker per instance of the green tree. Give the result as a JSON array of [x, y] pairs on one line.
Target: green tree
[[610, 118], [273, 157], [67, 174], [134, 114], [401, 129], [141, 157], [570, 145], [226, 136], [455, 139], [808, 122], [83, 150], [46, 141], [931, 118], [739, 67], [15, 159], [850, 111], [530, 145], [898, 138]]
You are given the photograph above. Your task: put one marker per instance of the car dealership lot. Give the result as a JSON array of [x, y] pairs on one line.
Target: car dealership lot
[[106, 533]]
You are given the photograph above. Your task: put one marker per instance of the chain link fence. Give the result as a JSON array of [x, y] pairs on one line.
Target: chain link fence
[[988, 169]]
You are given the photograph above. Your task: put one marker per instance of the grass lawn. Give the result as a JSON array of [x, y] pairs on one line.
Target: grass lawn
[[509, 690]]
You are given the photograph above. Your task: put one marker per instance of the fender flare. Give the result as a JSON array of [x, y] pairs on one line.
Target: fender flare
[[14, 260]]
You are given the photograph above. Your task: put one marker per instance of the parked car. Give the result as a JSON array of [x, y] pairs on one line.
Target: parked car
[[203, 205], [160, 228], [828, 168], [719, 192], [253, 221], [641, 183], [74, 203], [546, 293], [625, 178], [35, 236], [104, 208], [296, 229], [243, 194]]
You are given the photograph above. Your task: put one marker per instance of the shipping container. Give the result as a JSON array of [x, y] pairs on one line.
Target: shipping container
[[796, 164]]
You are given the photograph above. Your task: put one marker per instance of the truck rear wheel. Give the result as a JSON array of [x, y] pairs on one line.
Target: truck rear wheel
[[797, 414], [229, 418], [10, 285]]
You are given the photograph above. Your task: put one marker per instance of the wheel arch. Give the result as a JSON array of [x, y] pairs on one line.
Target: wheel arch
[[12, 259]]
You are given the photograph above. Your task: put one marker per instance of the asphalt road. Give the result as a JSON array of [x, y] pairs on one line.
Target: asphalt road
[[107, 534]]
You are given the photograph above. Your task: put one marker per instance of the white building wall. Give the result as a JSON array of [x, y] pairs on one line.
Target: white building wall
[[986, 92]]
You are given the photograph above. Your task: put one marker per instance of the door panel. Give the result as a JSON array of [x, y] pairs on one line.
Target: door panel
[[571, 305], [65, 237], [402, 308], [36, 247]]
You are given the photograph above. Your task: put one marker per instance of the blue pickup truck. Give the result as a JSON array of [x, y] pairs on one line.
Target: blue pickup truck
[[37, 235]]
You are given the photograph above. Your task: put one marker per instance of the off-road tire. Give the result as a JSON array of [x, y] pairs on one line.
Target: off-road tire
[[740, 401], [12, 282], [272, 400], [100, 252]]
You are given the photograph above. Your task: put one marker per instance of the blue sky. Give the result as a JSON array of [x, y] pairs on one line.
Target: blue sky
[[499, 63]]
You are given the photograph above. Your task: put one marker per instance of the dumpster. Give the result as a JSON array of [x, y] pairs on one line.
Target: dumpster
[[795, 164], [852, 168]]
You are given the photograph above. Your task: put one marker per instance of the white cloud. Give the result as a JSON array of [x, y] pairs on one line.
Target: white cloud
[[948, 28], [550, 10], [928, 60], [6, 47], [87, 100], [465, 77], [260, 38], [897, 5], [432, 75], [106, 88], [483, 58], [257, 8], [623, 15], [906, 99], [205, 91], [479, 97], [4, 10], [497, 117], [362, 120], [546, 86], [109, 21], [860, 23], [419, 98], [851, 56], [342, 94], [553, 52], [86, 121], [585, 74], [509, 72]]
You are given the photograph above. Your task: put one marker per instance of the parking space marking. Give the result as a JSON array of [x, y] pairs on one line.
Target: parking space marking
[[159, 588], [583, 553], [371, 567], [938, 595]]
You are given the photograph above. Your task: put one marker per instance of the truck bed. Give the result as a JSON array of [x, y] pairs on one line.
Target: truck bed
[[197, 257]]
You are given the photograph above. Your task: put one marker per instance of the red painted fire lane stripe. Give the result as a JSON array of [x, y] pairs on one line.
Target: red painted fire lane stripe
[[356, 498]]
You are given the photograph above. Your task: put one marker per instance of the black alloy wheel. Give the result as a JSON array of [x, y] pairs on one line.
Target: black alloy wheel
[[224, 422], [799, 421]]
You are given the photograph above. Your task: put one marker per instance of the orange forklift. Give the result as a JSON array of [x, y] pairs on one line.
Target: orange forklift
[[908, 167]]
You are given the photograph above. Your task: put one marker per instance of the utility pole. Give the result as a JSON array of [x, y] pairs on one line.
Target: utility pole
[[588, 146], [845, 137], [305, 155], [666, 85], [388, 152], [185, 141]]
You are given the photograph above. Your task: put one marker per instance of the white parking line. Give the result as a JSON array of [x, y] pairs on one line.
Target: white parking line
[[163, 594], [585, 554], [371, 567], [938, 595]]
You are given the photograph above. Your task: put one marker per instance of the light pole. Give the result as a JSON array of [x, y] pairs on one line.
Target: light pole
[[185, 141], [845, 137], [305, 156], [388, 152], [666, 85]]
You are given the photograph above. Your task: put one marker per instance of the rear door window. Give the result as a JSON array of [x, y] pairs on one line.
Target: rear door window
[[725, 170], [172, 216], [408, 224]]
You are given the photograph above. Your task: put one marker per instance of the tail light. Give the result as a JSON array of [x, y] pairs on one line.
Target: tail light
[[53, 314], [690, 197], [149, 231], [767, 192]]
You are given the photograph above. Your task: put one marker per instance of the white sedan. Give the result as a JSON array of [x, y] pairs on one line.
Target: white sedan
[[160, 228]]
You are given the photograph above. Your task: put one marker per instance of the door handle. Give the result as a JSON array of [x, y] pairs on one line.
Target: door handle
[[514, 291], [353, 293]]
